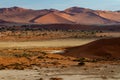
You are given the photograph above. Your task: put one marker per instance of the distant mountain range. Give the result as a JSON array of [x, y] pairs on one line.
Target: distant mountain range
[[73, 15]]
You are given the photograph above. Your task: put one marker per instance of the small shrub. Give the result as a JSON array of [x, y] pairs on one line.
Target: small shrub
[[81, 63], [17, 66], [56, 78], [94, 60], [55, 63], [40, 57], [41, 79], [44, 53], [25, 55], [81, 60], [22, 55], [2, 67]]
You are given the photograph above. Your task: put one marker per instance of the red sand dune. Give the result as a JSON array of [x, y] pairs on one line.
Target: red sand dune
[[109, 15], [103, 48], [66, 16], [76, 10], [52, 18], [82, 18], [91, 18], [20, 15]]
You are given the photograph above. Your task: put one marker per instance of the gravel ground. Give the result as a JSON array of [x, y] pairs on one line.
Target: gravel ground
[[96, 72]]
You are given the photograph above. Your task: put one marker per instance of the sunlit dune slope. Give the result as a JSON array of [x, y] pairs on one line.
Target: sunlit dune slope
[[52, 18]]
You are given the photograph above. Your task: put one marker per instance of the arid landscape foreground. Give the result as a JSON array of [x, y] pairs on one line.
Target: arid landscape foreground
[[32, 62], [49, 52], [49, 44]]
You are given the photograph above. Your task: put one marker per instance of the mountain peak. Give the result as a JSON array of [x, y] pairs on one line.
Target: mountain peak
[[12, 9], [17, 8], [54, 10], [77, 9]]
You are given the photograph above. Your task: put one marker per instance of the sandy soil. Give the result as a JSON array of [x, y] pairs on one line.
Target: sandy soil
[[90, 71], [109, 34], [93, 71], [46, 43]]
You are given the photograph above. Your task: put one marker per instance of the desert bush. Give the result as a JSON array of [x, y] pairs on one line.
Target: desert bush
[[94, 60], [56, 78], [44, 53], [40, 79], [22, 55], [2, 67], [81, 63], [55, 63], [82, 59], [40, 57], [17, 66]]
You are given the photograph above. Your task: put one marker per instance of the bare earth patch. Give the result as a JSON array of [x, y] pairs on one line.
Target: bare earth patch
[[45, 43], [97, 71]]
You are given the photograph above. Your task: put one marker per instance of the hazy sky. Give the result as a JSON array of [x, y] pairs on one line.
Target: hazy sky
[[62, 4]]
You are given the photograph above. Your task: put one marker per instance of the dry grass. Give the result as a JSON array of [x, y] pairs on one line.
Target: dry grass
[[44, 35], [14, 58], [46, 43]]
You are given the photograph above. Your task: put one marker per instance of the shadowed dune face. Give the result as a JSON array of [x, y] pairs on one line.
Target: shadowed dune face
[[110, 15], [77, 10], [91, 18], [104, 48], [20, 15]]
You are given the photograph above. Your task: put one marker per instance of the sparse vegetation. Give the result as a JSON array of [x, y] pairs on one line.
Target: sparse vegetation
[[17, 58], [56, 79], [55, 63], [22, 55], [41, 79], [40, 57], [81, 63], [82, 59], [53, 31]]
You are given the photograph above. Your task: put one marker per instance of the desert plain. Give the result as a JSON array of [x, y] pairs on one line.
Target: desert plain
[[73, 44]]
